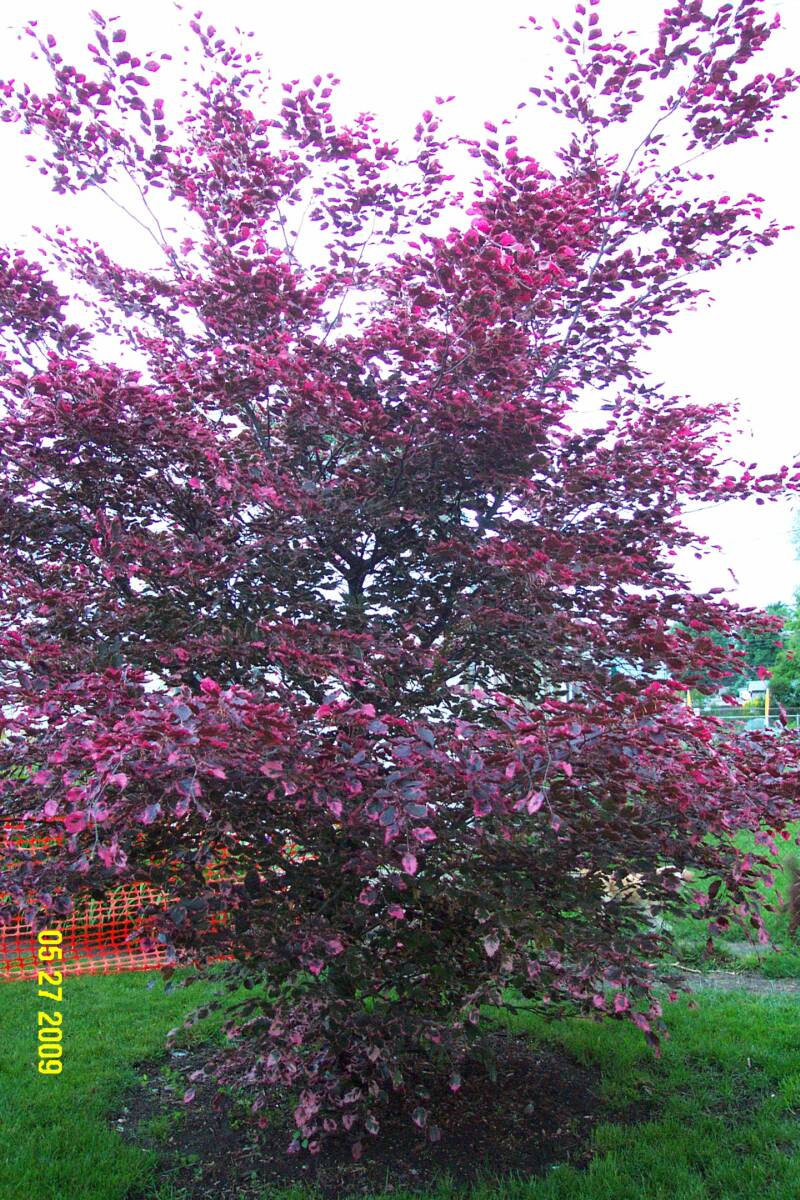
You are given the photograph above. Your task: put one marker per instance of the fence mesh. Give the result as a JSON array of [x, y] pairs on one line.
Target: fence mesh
[[100, 937]]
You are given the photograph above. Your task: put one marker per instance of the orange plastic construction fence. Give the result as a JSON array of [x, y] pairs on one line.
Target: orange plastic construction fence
[[101, 937], [98, 936]]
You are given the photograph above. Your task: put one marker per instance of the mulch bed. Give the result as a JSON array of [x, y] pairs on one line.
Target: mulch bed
[[541, 1111]]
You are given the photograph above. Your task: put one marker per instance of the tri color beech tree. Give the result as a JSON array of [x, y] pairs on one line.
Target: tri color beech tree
[[310, 563]]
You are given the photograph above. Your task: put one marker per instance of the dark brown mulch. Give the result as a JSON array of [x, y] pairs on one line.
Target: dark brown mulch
[[541, 1111]]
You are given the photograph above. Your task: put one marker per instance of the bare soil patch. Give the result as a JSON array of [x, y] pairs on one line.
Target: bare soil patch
[[738, 981]]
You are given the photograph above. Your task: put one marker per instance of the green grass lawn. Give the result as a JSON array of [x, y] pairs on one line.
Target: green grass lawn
[[721, 1106], [55, 1144], [719, 1111]]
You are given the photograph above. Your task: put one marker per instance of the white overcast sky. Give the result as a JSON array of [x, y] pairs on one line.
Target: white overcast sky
[[392, 60]]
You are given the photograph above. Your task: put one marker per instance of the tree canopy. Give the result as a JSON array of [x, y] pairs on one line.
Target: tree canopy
[[310, 561]]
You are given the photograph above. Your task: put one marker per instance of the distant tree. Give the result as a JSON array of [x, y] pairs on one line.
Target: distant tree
[[763, 647], [785, 665], [292, 572], [758, 648]]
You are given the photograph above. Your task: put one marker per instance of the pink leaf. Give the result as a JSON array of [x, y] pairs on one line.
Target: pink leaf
[[75, 822], [424, 834], [107, 854], [534, 802], [410, 863]]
